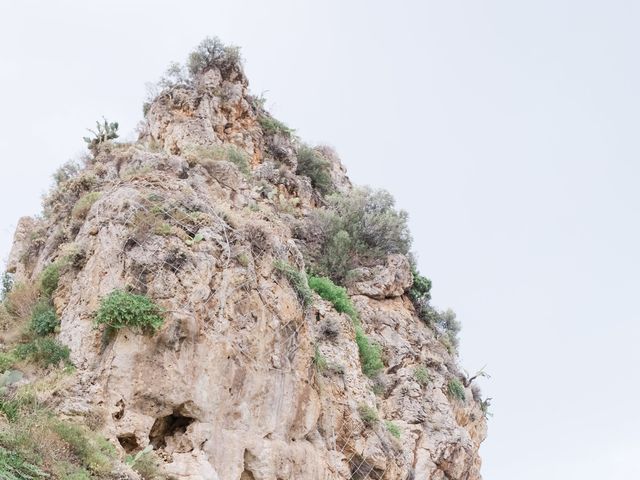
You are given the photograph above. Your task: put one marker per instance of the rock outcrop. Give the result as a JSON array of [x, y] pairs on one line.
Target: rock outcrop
[[228, 388]]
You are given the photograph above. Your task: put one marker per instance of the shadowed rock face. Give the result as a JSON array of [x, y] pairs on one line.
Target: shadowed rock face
[[228, 389]]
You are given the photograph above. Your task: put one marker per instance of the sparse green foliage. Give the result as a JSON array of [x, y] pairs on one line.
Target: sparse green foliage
[[298, 281], [209, 156], [368, 415], [145, 463], [84, 204], [319, 360], [44, 319], [104, 132], [312, 164], [15, 467], [43, 351], [360, 228], [34, 444], [484, 406], [393, 429], [5, 285], [333, 293], [420, 291], [449, 327], [421, 374], [210, 53], [273, 126], [122, 309], [7, 359], [444, 322], [370, 355], [66, 172], [456, 390], [49, 280]]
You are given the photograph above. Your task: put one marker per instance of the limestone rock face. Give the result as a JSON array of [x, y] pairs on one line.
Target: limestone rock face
[[382, 281], [228, 388]]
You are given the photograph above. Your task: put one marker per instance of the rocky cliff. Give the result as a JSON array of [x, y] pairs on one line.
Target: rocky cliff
[[252, 375]]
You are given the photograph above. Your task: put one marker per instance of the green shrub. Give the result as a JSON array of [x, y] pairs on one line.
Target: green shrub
[[420, 290], [456, 390], [44, 319], [122, 309], [49, 280], [359, 228], [272, 126], [393, 429], [298, 281], [333, 293], [15, 467], [210, 53], [43, 351], [421, 375], [312, 164], [370, 356], [5, 285], [368, 415], [84, 204]]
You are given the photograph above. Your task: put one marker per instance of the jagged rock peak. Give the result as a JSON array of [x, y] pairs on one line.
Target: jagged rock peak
[[257, 369]]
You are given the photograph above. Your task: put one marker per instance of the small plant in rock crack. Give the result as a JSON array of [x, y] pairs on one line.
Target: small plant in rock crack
[[122, 309], [393, 429], [456, 389], [421, 375], [368, 415]]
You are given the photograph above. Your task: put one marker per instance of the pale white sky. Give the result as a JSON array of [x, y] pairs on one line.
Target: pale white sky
[[508, 130]]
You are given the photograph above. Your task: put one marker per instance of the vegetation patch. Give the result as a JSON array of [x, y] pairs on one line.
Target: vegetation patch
[[297, 279], [456, 389], [15, 467], [319, 360], [212, 53], [313, 165], [272, 126], [335, 294], [358, 228], [370, 354], [49, 280], [208, 156], [84, 204], [393, 429], [421, 375], [122, 309], [368, 415], [44, 319], [43, 351], [104, 132], [34, 444]]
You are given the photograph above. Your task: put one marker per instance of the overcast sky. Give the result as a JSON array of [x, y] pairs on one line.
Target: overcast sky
[[507, 129]]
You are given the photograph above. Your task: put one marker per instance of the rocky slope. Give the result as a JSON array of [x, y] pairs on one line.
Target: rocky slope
[[243, 381]]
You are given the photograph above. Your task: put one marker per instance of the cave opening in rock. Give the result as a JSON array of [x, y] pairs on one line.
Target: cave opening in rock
[[128, 442], [168, 426]]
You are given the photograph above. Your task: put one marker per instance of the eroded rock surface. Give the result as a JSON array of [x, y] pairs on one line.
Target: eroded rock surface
[[228, 389]]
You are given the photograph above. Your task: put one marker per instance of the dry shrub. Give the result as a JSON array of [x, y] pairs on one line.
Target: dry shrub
[[21, 300]]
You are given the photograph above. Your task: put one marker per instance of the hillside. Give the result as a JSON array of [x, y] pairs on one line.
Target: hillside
[[217, 301]]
